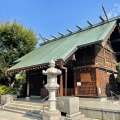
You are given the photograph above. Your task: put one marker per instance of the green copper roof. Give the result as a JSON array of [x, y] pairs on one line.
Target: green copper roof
[[64, 46]]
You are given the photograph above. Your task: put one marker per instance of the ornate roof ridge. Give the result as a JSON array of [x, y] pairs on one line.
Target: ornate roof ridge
[[81, 30]]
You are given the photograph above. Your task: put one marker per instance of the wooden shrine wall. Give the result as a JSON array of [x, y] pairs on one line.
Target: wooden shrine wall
[[107, 82], [104, 81], [106, 61], [87, 79], [85, 56], [105, 57]]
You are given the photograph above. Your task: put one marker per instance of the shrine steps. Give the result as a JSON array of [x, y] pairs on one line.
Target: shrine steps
[[32, 109], [28, 108]]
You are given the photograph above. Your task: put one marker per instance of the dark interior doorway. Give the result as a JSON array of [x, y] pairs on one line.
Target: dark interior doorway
[[35, 84]]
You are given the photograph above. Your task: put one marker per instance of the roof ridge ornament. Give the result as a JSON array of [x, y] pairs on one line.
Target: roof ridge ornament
[[54, 36], [79, 27], [89, 23], [102, 18], [43, 38], [61, 34], [69, 30], [105, 12]]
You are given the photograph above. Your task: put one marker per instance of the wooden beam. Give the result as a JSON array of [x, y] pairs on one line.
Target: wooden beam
[[105, 12], [43, 38], [88, 66], [115, 40], [46, 39], [61, 33], [111, 59], [78, 27], [69, 30], [89, 23], [54, 36], [104, 57], [102, 18]]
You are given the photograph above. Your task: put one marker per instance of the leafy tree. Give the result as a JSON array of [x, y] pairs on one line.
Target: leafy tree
[[118, 73], [15, 42]]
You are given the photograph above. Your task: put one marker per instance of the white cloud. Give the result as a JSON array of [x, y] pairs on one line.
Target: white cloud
[[115, 11], [115, 14], [110, 14], [116, 4]]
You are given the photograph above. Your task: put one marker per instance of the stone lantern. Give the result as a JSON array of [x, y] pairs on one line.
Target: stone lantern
[[52, 87]]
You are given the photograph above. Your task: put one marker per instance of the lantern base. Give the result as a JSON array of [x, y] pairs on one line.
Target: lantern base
[[52, 115]]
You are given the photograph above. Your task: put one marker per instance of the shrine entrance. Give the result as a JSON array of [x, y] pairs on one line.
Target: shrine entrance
[[36, 84]]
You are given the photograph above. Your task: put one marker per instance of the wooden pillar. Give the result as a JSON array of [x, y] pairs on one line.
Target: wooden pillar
[[61, 85], [75, 84], [104, 57], [66, 83], [111, 59], [98, 82], [28, 86]]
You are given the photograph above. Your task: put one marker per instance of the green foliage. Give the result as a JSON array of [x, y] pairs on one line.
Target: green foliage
[[20, 84], [4, 90], [15, 42], [118, 73], [1, 91], [21, 87], [20, 76]]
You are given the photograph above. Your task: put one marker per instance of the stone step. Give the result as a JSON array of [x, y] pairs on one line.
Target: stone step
[[26, 105], [33, 111], [20, 108], [86, 118], [81, 116], [28, 108], [25, 113], [12, 110]]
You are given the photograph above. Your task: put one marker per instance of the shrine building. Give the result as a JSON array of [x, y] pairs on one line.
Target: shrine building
[[87, 58]]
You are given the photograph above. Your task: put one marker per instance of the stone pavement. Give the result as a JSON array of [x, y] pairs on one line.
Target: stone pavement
[[5, 115]]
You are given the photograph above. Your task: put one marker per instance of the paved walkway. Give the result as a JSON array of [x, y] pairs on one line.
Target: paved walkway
[[5, 115]]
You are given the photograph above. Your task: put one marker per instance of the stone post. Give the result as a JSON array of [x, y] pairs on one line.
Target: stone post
[[52, 86]]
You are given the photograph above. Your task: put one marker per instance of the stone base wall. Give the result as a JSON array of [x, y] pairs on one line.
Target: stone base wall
[[102, 114], [7, 99]]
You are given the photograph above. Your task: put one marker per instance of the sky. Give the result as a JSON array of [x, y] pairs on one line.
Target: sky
[[48, 17]]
